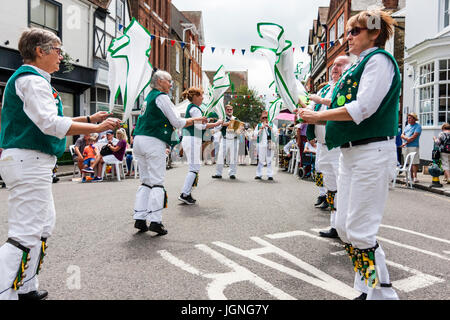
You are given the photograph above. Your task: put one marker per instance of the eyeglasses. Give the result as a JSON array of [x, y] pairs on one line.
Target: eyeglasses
[[229, 109], [57, 49], [355, 31], [264, 118]]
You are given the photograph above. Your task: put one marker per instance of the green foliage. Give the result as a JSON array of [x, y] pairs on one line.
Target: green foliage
[[247, 105]]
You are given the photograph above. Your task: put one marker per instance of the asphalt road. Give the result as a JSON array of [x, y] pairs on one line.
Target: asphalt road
[[244, 239]]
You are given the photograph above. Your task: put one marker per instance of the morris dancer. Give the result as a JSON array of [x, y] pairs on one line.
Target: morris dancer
[[33, 131], [265, 134], [154, 131], [192, 142], [328, 160], [363, 122], [228, 144]]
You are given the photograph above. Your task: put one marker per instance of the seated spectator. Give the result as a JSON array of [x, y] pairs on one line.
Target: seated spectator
[[443, 142], [90, 153], [109, 138], [118, 151], [79, 148], [310, 147]]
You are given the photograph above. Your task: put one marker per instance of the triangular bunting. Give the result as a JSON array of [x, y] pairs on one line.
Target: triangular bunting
[[212, 49], [331, 43], [162, 39], [172, 42], [182, 45], [243, 51], [303, 49], [341, 40], [233, 51], [202, 48], [152, 37], [322, 45]]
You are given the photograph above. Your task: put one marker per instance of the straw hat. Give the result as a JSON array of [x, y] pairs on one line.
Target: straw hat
[[412, 114]]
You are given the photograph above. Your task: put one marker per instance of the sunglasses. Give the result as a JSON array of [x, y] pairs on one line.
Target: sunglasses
[[355, 31], [57, 49], [264, 118]]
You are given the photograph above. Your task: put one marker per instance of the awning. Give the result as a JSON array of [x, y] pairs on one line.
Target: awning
[[286, 116]]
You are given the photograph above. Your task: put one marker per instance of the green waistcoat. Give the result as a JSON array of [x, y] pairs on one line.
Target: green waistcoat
[[311, 128], [189, 131], [18, 131], [153, 123], [383, 123]]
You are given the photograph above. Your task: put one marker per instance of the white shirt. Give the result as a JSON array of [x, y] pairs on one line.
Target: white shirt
[[319, 130], [375, 83], [39, 104], [310, 147], [195, 113], [264, 134], [167, 107], [287, 147]]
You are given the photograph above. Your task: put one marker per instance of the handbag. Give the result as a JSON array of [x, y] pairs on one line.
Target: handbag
[[105, 151]]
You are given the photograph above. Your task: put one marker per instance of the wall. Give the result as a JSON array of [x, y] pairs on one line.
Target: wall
[[421, 21]]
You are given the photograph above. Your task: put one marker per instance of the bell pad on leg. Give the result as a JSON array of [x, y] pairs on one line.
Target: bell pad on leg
[[365, 264], [18, 280], [319, 179]]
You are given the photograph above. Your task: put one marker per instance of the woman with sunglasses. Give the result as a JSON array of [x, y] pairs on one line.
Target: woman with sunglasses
[[33, 134], [362, 120], [265, 134], [192, 142]]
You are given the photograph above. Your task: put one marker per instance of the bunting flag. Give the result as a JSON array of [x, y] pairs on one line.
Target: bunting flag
[[202, 48], [221, 83], [243, 51], [232, 51], [129, 68], [182, 45], [172, 42], [280, 59], [162, 39], [212, 49]]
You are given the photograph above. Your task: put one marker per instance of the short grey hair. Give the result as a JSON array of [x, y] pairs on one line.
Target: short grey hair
[[33, 38], [159, 75]]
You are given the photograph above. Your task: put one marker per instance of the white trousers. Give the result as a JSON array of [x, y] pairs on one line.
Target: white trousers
[[322, 190], [329, 166], [264, 155], [363, 183], [151, 155], [31, 214], [227, 146], [192, 147]]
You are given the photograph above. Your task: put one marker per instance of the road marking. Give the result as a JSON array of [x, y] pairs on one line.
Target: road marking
[[320, 279], [433, 254], [417, 281], [215, 289], [416, 233]]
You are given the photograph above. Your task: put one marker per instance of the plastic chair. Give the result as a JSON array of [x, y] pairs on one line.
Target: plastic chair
[[117, 167], [75, 164], [407, 169], [297, 161], [134, 166], [291, 166]]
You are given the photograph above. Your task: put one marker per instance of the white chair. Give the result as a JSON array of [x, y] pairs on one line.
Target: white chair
[[117, 168], [75, 163], [406, 168], [134, 166], [294, 151]]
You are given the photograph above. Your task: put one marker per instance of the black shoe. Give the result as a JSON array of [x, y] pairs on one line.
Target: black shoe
[[233, 177], [320, 200], [332, 233], [141, 225], [270, 178], [34, 295], [257, 178], [216, 176], [363, 296], [186, 199], [323, 206], [158, 228]]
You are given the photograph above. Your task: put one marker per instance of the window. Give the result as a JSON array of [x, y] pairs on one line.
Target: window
[[120, 13], [426, 95], [340, 31], [333, 34], [445, 13], [444, 92], [45, 14]]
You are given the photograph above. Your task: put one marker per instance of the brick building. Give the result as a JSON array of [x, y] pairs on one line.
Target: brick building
[[318, 52], [155, 16]]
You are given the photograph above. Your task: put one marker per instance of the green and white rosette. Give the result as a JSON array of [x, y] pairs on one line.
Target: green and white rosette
[[221, 83], [280, 58], [130, 70]]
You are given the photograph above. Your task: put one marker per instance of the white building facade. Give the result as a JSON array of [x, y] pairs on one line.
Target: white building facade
[[427, 68]]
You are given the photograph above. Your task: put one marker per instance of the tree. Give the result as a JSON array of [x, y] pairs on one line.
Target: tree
[[247, 105]]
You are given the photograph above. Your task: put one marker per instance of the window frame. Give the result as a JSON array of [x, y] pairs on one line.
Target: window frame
[[59, 8]]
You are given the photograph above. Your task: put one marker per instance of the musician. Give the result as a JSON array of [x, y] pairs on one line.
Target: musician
[[228, 144], [265, 135]]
